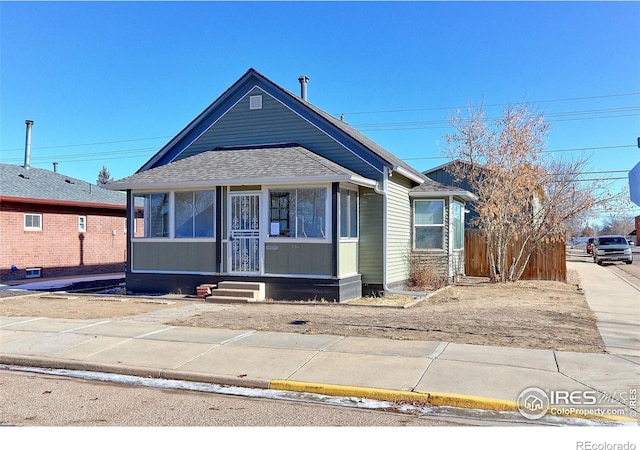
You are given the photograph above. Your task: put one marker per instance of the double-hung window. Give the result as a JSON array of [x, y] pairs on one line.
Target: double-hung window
[[428, 224], [348, 214], [298, 213]]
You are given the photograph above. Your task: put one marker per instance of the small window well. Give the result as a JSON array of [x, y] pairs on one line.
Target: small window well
[[255, 102], [34, 272]]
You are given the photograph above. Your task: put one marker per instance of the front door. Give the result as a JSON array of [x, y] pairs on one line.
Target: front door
[[244, 233]]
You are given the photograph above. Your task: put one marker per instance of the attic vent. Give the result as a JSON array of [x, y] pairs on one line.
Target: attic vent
[[23, 176], [255, 102], [69, 181]]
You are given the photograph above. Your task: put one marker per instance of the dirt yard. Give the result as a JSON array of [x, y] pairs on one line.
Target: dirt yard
[[539, 314]]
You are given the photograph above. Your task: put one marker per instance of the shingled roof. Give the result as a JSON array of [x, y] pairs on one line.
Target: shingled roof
[[252, 74], [34, 184], [241, 166], [431, 188]]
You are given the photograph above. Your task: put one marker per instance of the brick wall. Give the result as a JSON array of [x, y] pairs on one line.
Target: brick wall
[[60, 249]]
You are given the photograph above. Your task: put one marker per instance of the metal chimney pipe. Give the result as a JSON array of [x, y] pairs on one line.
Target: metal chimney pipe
[[27, 144], [303, 79], [55, 167]]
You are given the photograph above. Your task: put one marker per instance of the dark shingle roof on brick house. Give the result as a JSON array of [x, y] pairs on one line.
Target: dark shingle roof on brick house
[[16, 182]]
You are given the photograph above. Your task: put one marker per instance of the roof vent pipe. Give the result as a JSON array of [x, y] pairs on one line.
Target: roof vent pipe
[[55, 167], [27, 144], [303, 79]]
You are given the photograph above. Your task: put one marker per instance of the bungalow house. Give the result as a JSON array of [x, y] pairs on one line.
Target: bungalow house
[[53, 225], [264, 186]]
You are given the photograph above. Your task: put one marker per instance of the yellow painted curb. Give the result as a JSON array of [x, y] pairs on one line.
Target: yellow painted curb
[[426, 398], [350, 391]]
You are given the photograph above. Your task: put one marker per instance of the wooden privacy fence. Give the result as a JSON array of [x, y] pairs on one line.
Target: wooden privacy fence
[[548, 262]]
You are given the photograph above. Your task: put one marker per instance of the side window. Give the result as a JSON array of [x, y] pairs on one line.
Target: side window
[[428, 224], [32, 222], [82, 224], [348, 214]]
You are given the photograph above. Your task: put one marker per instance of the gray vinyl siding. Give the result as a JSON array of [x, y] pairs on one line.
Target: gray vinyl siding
[[398, 229], [371, 243], [174, 256], [274, 123], [298, 259]]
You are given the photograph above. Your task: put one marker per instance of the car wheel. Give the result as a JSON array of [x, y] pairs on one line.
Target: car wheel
[[629, 262], [598, 262]]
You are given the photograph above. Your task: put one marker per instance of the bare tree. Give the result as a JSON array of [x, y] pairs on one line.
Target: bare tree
[[104, 176], [617, 224], [524, 198]]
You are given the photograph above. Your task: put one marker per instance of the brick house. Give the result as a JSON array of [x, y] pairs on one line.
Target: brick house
[[54, 225]]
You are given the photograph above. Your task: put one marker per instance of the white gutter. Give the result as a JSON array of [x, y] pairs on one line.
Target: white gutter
[[410, 175], [172, 185], [466, 195]]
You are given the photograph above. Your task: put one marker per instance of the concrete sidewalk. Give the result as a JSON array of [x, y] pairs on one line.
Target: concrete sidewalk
[[438, 373]]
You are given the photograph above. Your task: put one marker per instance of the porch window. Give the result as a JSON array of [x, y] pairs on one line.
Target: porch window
[[156, 214], [298, 213], [428, 224], [176, 214], [194, 214], [348, 214], [458, 226]]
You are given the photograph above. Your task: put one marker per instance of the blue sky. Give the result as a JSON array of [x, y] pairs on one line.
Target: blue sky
[[110, 83]]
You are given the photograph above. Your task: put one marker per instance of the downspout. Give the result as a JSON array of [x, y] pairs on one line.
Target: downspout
[[385, 240], [450, 240]]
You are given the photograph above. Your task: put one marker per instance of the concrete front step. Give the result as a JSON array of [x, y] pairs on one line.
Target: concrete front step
[[242, 293], [223, 299], [237, 292]]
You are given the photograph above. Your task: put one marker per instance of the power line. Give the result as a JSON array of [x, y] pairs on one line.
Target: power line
[[87, 145], [543, 151], [489, 105]]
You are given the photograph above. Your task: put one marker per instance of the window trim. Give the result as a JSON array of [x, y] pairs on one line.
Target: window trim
[[32, 228], [350, 194], [442, 226], [462, 225], [82, 224], [33, 272], [299, 239], [171, 217]]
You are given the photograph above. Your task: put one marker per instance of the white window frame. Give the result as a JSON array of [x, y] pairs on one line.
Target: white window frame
[[441, 226], [82, 224], [33, 272], [172, 210], [453, 224], [31, 227], [171, 218], [351, 194], [299, 239]]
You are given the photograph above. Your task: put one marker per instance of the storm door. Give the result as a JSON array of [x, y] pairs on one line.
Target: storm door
[[244, 233]]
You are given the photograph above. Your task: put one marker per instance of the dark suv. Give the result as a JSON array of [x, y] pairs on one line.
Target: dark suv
[[611, 248]]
